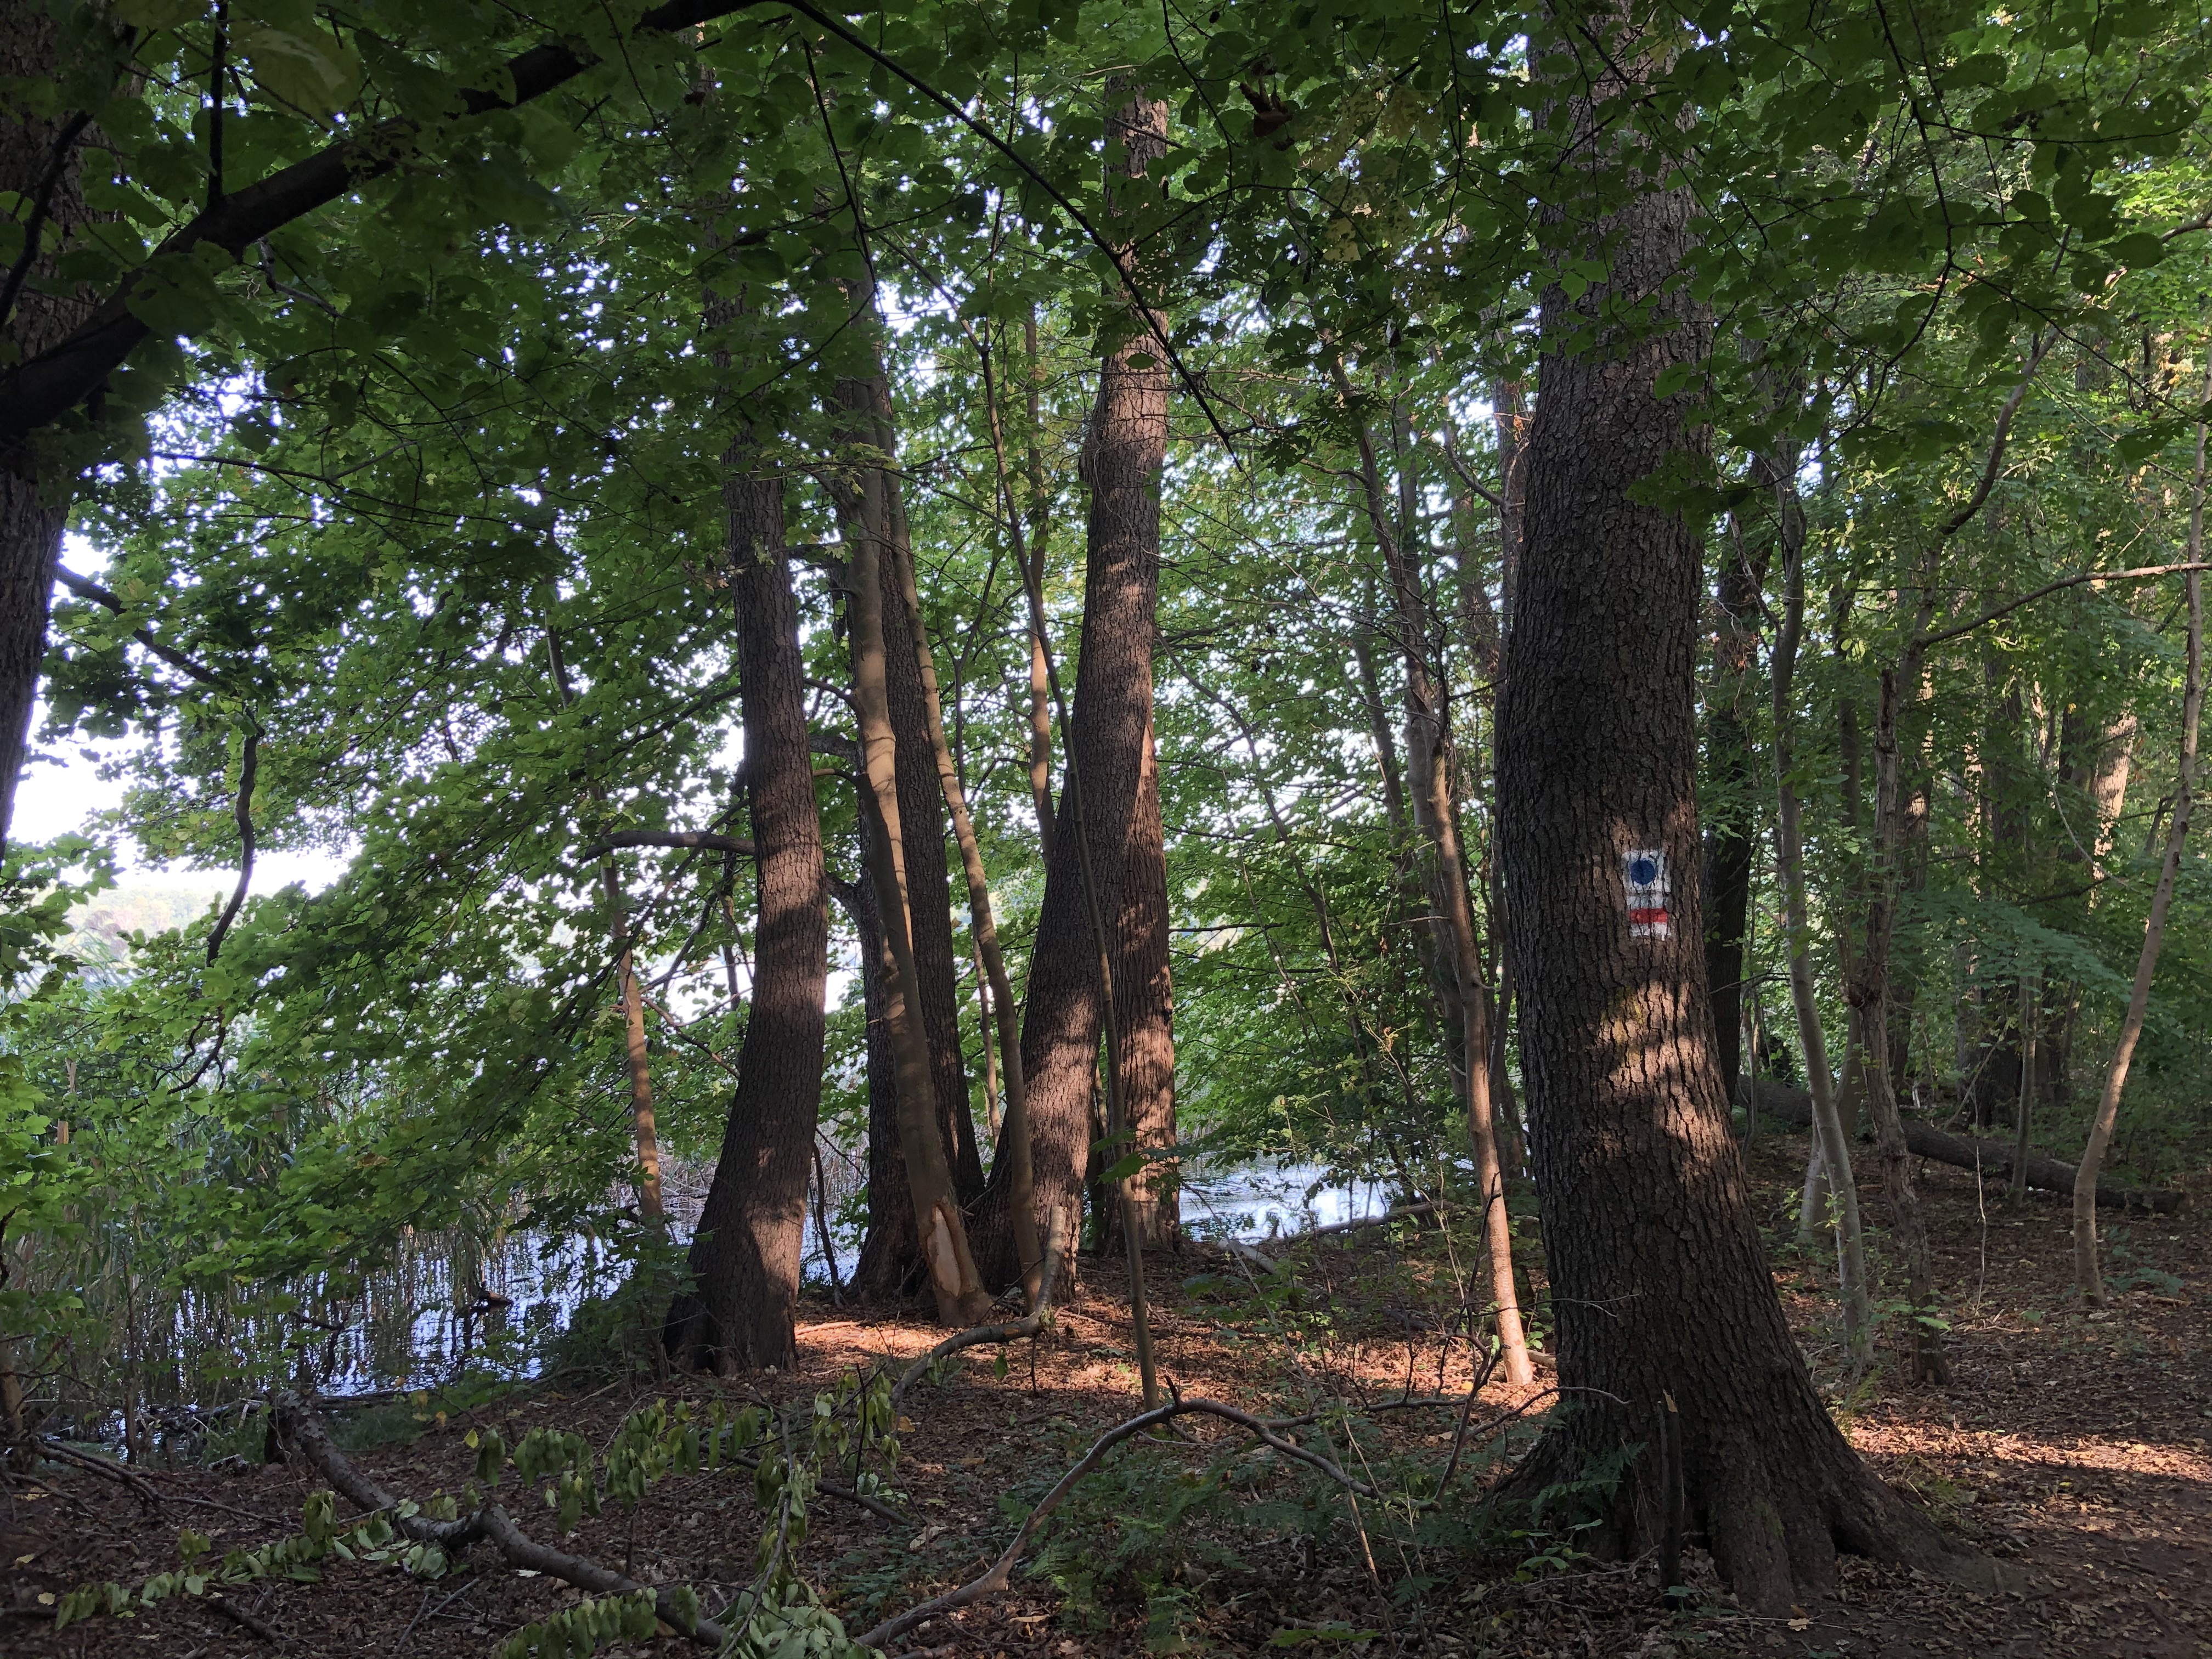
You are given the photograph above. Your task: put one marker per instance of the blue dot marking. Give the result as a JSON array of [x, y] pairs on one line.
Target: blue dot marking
[[1643, 871]]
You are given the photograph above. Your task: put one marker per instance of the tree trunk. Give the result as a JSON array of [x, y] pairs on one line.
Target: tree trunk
[[1143, 1005], [1063, 1019], [1832, 1140], [635, 1055], [37, 153], [1665, 1302], [993, 989], [911, 702], [940, 1232], [1728, 849], [2087, 1278], [746, 1256], [889, 1265], [1429, 772]]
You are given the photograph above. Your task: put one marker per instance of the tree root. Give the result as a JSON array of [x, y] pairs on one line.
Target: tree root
[[490, 1523]]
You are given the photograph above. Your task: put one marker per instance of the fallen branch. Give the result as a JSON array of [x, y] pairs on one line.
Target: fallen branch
[[873, 1507], [999, 1574], [137, 1483], [1992, 1158], [226, 1607], [1031, 1324], [490, 1522]]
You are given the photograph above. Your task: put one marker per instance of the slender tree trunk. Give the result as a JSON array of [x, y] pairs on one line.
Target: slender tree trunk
[[1063, 1020], [1428, 778], [746, 1255], [2025, 1112], [1665, 1302], [1832, 1142], [2087, 1278], [917, 727], [940, 1230], [994, 986], [1728, 849], [1039, 514], [634, 1053], [38, 154]]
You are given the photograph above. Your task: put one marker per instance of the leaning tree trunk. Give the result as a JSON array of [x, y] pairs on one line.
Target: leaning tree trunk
[[1106, 745], [1669, 1330], [40, 163], [745, 1256]]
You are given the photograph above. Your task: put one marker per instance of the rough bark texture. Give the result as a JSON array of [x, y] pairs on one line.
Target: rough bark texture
[[889, 1265], [38, 154], [1106, 745], [1660, 1283], [745, 1256], [1144, 1003]]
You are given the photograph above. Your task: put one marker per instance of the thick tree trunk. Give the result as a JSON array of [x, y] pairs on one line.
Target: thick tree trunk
[[745, 1257], [888, 1265], [1113, 711], [41, 159], [1144, 1004], [1665, 1303]]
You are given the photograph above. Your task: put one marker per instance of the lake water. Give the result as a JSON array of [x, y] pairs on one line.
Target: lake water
[[413, 1329]]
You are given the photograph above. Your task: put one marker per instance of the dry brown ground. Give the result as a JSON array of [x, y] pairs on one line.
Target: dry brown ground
[[2075, 1445]]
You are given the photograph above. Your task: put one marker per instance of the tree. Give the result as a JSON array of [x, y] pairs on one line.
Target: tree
[[740, 1314], [1670, 1336]]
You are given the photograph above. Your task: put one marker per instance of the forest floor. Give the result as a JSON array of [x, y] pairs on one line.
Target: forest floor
[[2075, 1445]]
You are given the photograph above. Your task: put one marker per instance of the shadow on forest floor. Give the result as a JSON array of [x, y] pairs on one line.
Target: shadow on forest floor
[[2076, 1444]]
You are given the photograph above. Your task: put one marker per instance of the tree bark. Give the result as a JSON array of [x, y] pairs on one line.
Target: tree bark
[[865, 405], [2086, 1277], [993, 989], [1143, 1005], [41, 159], [940, 1232], [1665, 1303], [746, 1256], [1063, 1022]]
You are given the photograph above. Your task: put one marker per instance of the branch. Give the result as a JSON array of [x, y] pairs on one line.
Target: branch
[[1121, 260], [85, 588], [491, 1521], [42, 390], [2139, 574], [243, 811], [1958, 520], [706, 840], [1031, 1324], [999, 1574]]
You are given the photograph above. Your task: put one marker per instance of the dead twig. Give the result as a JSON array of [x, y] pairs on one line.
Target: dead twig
[[225, 1608], [138, 1483]]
